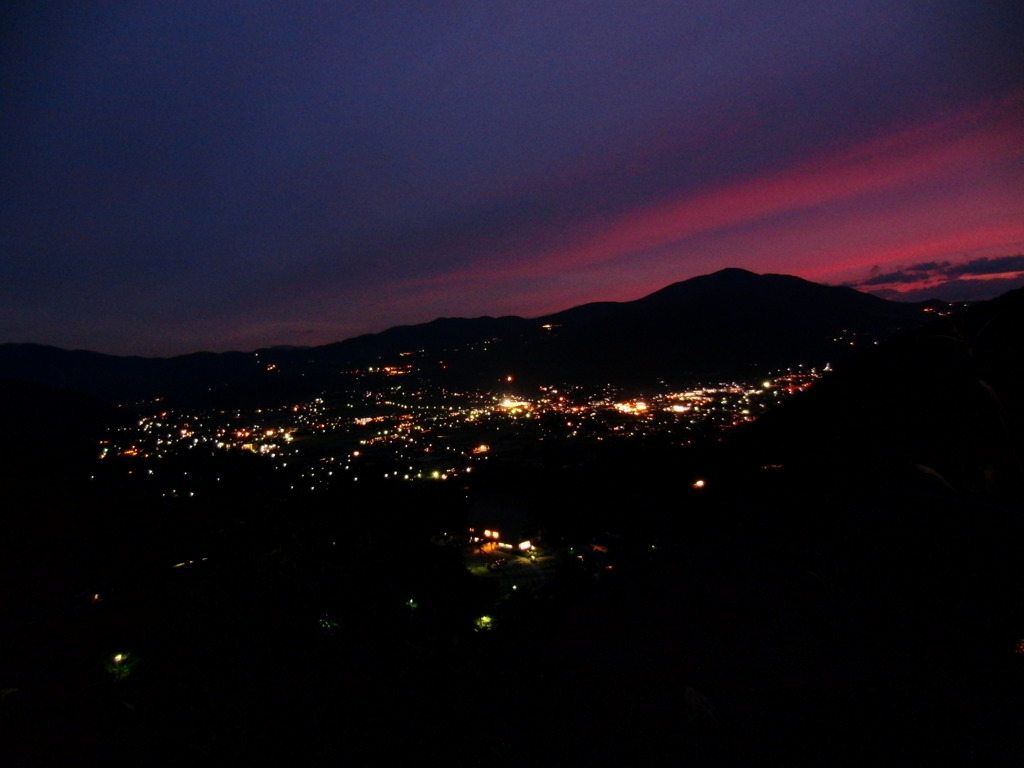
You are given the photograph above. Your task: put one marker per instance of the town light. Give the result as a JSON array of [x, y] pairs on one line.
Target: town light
[[120, 665]]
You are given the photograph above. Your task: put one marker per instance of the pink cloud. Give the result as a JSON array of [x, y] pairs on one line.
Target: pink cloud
[[910, 163], [938, 191]]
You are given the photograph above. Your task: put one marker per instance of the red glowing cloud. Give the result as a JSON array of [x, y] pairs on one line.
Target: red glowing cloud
[[926, 192]]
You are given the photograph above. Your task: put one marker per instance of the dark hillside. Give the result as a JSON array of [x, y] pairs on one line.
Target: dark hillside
[[943, 404]]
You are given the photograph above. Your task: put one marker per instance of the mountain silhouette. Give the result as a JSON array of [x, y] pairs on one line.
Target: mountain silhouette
[[728, 323]]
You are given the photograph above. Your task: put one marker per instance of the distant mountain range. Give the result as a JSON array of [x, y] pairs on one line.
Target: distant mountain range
[[729, 323]]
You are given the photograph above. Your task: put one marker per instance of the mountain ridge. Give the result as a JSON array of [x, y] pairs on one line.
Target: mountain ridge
[[719, 324]]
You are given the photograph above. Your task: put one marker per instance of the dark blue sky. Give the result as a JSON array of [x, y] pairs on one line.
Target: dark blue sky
[[184, 176]]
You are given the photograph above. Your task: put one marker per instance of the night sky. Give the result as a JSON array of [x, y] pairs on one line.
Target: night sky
[[230, 175]]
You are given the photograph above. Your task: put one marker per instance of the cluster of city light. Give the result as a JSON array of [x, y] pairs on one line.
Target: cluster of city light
[[424, 433], [487, 535], [638, 406]]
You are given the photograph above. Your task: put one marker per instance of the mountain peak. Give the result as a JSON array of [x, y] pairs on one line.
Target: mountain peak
[[707, 326], [731, 272], [728, 279]]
